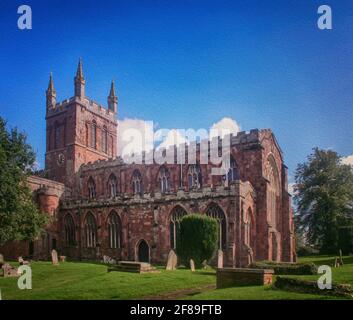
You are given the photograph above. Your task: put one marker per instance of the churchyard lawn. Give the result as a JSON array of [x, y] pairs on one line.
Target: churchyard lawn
[[79, 280]]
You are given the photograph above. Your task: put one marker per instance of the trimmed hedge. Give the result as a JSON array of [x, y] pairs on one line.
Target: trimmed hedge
[[307, 251], [286, 267], [198, 238], [306, 286]]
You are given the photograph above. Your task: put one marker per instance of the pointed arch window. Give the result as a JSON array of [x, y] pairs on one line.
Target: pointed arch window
[[174, 225], [91, 231], [214, 211], [272, 191], [94, 135], [194, 177], [105, 140], [69, 227], [112, 186], [91, 188], [233, 173], [164, 180], [114, 231], [57, 136], [137, 186], [86, 137], [247, 228]]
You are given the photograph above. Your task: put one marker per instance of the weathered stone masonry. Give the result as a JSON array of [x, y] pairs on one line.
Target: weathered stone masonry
[[102, 206]]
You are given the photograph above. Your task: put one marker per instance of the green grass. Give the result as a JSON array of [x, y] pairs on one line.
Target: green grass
[[343, 274], [71, 280], [254, 293], [83, 280]]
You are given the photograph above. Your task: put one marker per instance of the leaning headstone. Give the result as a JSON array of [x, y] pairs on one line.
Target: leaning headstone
[[219, 259], [54, 257], [172, 260], [341, 259], [192, 265], [9, 271]]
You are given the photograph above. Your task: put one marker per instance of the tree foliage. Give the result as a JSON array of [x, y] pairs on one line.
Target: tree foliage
[[324, 198], [20, 218], [198, 238]]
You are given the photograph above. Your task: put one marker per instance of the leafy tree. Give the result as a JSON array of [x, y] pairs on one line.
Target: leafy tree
[[20, 218], [198, 238], [324, 198]]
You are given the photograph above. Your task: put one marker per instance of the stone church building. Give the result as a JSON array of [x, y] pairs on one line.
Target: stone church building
[[100, 205]]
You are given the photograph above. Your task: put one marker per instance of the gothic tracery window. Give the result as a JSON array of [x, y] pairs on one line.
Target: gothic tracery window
[[214, 211], [91, 188], [247, 228], [105, 140], [57, 136], [114, 231], [232, 174], [94, 135], [137, 182], [164, 180], [112, 186], [69, 227], [174, 226], [272, 191], [90, 231], [194, 176]]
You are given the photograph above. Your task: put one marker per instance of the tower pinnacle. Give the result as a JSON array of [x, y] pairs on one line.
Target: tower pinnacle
[[79, 81], [112, 99], [51, 93]]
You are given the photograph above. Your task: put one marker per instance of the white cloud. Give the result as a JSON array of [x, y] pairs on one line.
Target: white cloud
[[348, 160], [225, 124], [291, 188]]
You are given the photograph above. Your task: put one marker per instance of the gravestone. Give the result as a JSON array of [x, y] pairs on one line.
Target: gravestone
[[192, 265], [22, 262], [2, 261], [9, 271], [219, 259], [108, 260], [172, 260], [62, 258], [54, 257]]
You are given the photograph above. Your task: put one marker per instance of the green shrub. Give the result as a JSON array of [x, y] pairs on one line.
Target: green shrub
[[286, 267], [304, 251], [198, 236], [306, 286]]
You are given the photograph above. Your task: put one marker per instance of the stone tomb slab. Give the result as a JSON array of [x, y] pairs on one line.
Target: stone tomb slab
[[237, 277], [133, 266]]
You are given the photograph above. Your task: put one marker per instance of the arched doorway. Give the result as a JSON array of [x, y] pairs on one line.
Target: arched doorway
[[143, 252]]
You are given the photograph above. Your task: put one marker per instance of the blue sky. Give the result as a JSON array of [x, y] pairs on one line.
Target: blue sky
[[187, 64]]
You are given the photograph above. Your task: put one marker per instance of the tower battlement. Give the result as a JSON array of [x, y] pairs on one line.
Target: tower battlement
[[79, 130]]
